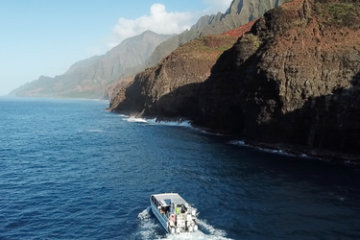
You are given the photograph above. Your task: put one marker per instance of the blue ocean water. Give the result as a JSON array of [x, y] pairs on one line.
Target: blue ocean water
[[70, 170]]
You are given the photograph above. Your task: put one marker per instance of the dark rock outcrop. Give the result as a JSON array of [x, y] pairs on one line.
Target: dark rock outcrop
[[169, 89], [292, 82]]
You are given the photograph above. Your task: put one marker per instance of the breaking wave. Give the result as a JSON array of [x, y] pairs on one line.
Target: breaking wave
[[133, 119], [170, 123], [242, 143], [154, 121]]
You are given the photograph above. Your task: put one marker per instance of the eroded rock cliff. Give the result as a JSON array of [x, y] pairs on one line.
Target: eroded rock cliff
[[291, 82], [171, 88]]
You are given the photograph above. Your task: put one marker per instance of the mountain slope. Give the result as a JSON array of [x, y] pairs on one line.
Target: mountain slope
[[239, 13], [89, 78], [171, 88]]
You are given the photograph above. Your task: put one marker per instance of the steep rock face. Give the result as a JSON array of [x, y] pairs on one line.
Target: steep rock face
[[239, 13], [171, 88], [293, 80], [90, 78], [116, 91]]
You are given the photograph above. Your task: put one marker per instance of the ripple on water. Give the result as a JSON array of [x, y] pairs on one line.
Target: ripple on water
[[70, 170]]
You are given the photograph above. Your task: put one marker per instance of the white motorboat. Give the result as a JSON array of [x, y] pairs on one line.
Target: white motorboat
[[174, 213]]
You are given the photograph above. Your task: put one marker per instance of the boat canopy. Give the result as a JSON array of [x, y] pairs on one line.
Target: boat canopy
[[167, 198]]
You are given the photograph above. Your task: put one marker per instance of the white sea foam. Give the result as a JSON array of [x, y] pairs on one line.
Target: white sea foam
[[194, 236], [145, 214], [303, 155], [133, 119], [211, 229], [154, 121], [90, 131], [170, 123], [149, 225], [95, 130], [242, 143]]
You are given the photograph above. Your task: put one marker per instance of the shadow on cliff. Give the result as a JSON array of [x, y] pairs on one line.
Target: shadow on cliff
[[214, 104], [178, 104], [328, 125], [333, 120], [236, 99], [239, 99]]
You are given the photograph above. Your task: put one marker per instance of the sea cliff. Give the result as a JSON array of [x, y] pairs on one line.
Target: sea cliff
[[291, 82]]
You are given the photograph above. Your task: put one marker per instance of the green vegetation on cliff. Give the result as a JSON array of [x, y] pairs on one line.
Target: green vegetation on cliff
[[206, 47], [342, 14]]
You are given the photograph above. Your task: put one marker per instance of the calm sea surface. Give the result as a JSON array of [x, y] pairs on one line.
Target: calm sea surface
[[70, 170]]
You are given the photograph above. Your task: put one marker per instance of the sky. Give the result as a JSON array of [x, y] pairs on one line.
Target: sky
[[45, 37]]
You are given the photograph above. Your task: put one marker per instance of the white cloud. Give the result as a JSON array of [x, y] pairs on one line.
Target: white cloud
[[158, 21], [163, 22]]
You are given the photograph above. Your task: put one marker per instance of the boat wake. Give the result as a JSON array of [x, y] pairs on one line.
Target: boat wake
[[150, 228], [147, 227]]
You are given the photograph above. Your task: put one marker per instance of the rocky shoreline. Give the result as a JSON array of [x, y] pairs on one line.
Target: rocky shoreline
[[329, 156]]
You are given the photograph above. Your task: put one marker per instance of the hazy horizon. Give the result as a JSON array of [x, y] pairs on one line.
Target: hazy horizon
[[46, 38]]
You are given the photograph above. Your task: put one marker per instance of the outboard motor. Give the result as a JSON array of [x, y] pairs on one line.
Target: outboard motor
[[193, 212]]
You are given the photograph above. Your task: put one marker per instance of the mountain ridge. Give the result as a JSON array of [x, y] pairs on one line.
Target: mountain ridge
[[90, 77], [239, 13]]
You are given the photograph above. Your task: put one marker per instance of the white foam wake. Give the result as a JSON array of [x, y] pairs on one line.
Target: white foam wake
[[213, 231], [145, 214], [150, 228], [147, 228]]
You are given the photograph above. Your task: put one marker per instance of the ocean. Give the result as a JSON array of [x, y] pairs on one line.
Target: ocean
[[71, 170]]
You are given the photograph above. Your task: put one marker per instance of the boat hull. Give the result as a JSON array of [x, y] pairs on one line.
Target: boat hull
[[159, 217]]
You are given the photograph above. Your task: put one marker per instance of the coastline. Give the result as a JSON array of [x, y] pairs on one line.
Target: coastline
[[328, 156], [332, 157], [54, 98]]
